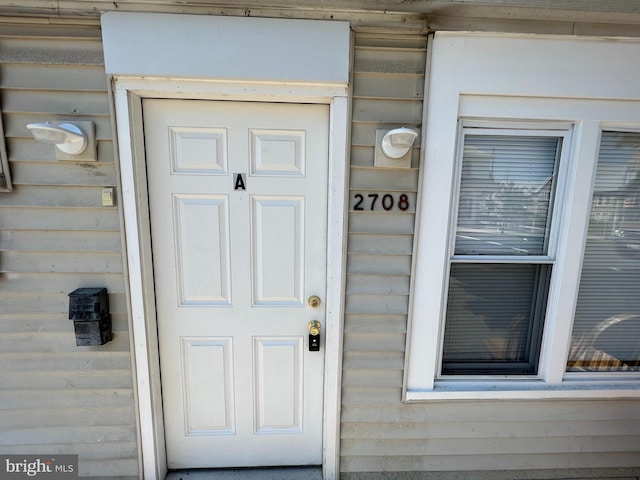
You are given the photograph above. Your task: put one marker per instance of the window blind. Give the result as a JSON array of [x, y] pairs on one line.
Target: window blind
[[505, 193], [606, 330]]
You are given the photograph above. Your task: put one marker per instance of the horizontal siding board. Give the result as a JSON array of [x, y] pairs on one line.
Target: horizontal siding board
[[57, 241], [60, 77], [68, 262], [103, 451], [513, 430], [111, 379], [45, 29], [38, 282], [405, 112], [384, 179], [496, 411], [375, 323], [475, 463], [378, 395], [55, 102], [372, 264], [359, 360], [60, 417], [388, 86], [377, 304], [59, 218], [69, 174], [79, 434], [378, 284], [379, 378], [384, 342], [411, 40], [389, 60], [496, 446], [41, 361], [66, 398], [380, 244], [51, 51], [380, 222]]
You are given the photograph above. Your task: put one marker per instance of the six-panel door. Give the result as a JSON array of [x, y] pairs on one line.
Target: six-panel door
[[238, 198]]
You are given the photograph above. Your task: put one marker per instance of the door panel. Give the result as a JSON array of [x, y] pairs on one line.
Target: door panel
[[238, 198]]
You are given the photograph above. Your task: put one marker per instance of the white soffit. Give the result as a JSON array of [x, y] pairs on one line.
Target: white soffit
[[227, 48]]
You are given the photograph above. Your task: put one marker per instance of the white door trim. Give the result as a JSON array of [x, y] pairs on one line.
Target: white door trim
[[127, 98]]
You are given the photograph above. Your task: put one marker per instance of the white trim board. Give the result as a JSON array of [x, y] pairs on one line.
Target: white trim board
[[138, 237], [232, 48], [326, 82]]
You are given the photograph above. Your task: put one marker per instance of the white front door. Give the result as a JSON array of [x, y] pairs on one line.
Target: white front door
[[238, 202]]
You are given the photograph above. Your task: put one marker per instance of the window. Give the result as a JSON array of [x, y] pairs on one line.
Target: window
[[502, 260], [527, 248], [606, 329]]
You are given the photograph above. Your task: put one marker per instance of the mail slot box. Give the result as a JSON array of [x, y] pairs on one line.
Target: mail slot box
[[89, 310], [93, 332], [88, 304]]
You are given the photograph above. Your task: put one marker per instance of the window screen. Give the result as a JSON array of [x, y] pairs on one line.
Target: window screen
[[606, 331], [500, 271]]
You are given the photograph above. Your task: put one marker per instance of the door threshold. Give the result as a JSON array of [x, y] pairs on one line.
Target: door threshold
[[271, 473]]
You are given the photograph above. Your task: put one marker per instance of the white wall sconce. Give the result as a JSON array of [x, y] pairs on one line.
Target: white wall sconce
[[393, 147], [73, 140]]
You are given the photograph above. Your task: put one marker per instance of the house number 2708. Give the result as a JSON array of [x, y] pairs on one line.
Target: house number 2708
[[375, 201]]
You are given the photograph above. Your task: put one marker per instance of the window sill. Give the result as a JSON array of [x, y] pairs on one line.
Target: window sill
[[574, 389]]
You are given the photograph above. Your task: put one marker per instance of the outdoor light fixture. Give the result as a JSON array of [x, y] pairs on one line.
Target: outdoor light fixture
[[396, 143], [73, 141], [393, 147]]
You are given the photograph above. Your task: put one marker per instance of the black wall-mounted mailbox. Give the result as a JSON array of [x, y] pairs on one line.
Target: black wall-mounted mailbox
[[89, 310]]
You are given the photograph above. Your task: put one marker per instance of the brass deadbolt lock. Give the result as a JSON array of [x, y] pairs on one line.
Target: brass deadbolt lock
[[314, 301]]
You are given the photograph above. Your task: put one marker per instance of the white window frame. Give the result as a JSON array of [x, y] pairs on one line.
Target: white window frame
[[488, 128], [487, 80]]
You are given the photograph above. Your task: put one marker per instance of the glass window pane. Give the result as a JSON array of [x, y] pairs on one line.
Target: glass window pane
[[494, 318], [606, 331], [505, 194]]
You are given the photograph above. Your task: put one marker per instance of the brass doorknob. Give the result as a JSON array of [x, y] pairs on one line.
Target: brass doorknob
[[314, 301], [314, 327]]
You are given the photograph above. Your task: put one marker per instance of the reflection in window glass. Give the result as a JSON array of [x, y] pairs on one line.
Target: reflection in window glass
[[505, 193], [606, 331], [494, 318], [495, 311]]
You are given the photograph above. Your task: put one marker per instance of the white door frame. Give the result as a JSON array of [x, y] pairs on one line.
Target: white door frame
[[127, 98]]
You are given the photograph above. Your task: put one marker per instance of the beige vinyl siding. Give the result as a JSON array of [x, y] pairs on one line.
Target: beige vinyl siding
[[388, 82], [380, 435], [55, 236]]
